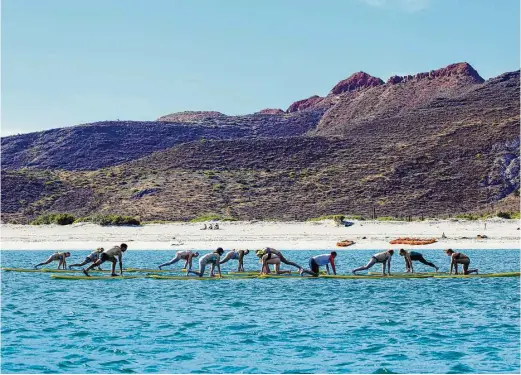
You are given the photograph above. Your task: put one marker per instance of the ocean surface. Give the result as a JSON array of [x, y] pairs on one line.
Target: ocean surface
[[262, 326]]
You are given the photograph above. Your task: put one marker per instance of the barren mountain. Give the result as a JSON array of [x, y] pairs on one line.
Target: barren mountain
[[436, 143]]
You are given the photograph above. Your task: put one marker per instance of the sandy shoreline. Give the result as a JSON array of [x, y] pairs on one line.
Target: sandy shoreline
[[502, 234]]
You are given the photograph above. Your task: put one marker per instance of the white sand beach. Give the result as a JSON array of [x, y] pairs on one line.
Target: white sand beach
[[501, 234]]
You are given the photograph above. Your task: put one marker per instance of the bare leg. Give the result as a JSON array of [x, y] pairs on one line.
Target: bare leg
[[95, 264], [79, 264], [114, 268], [176, 259], [278, 271], [466, 270], [46, 262], [285, 261], [201, 270], [366, 267]]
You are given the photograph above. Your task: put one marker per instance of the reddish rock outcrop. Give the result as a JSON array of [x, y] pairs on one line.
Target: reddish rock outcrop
[[460, 71], [356, 81], [271, 111], [304, 103], [395, 79]]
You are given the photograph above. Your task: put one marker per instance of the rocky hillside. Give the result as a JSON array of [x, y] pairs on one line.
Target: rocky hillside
[[436, 143], [107, 143]]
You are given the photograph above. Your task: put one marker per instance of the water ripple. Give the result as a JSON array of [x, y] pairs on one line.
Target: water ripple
[[268, 326]]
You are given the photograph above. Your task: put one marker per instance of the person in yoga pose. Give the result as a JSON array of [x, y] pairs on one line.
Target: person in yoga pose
[[384, 257], [61, 257], [236, 254], [459, 258], [409, 257], [187, 256]]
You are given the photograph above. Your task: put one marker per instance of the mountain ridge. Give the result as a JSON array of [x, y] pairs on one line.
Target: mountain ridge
[[434, 143]]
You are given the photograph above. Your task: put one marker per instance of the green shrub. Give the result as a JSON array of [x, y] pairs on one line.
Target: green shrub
[[210, 217], [467, 216], [508, 215], [56, 218], [109, 220], [504, 215]]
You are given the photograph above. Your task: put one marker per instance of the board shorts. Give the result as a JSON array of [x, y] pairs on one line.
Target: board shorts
[[313, 266], [104, 257]]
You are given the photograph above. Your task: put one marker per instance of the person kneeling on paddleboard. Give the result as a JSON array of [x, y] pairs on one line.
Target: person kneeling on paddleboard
[[211, 258], [274, 260], [236, 254], [268, 252], [384, 257], [413, 255], [56, 256], [185, 255], [91, 258], [459, 258], [320, 260], [113, 255]]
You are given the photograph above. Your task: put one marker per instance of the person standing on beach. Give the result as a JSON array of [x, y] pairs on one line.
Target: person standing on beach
[[320, 260], [210, 258], [61, 257], [236, 254], [187, 256], [413, 255], [113, 255], [459, 258], [91, 258], [384, 257], [268, 252]]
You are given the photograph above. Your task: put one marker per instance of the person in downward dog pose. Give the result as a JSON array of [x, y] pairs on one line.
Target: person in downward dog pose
[[210, 258], [459, 258], [236, 254], [61, 257], [409, 257], [187, 256], [320, 260], [384, 257]]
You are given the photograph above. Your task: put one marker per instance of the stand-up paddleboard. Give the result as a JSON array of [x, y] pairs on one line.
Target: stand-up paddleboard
[[474, 276], [44, 270], [154, 270], [292, 276], [225, 277], [77, 277], [374, 273]]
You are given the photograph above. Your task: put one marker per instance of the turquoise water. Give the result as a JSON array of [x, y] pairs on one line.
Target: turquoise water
[[262, 326]]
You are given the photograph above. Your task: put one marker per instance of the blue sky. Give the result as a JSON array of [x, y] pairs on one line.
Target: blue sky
[[68, 62]]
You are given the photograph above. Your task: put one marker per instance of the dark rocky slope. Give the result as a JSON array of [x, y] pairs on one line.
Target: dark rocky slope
[[437, 143]]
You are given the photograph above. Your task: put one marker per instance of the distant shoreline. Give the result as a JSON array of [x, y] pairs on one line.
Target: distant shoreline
[[322, 235]]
